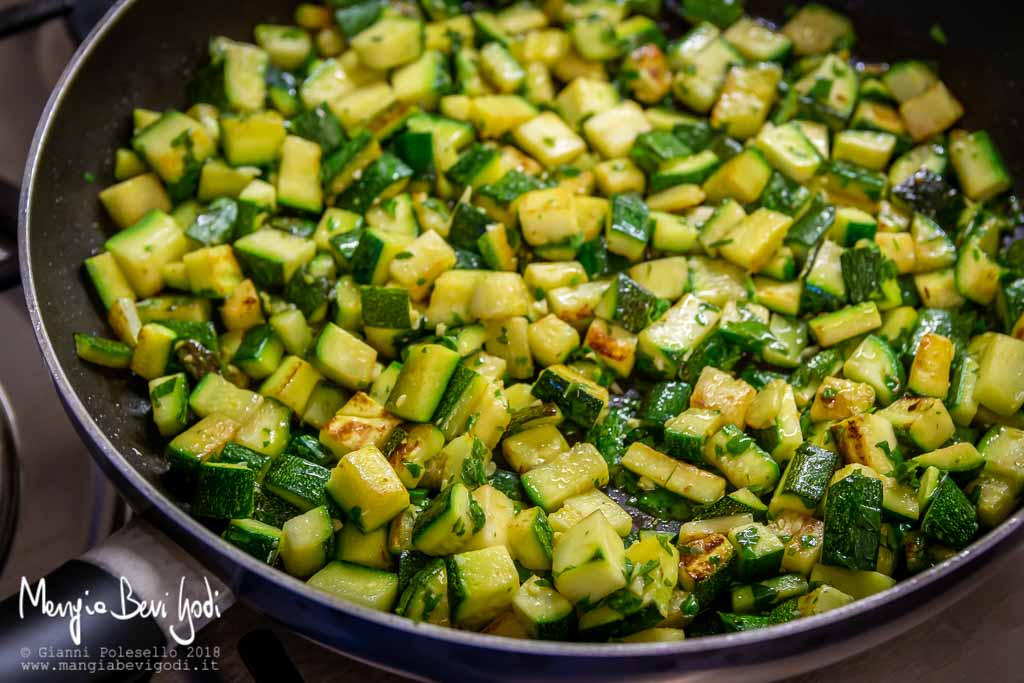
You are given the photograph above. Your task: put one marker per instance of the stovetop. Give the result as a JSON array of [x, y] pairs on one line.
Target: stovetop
[[65, 504]]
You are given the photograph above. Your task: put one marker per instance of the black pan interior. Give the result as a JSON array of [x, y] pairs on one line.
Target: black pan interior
[[146, 59]]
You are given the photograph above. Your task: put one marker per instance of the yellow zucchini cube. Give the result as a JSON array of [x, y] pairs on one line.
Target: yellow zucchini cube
[[929, 373], [866, 148], [676, 198], [549, 139], [613, 131], [130, 200], [429, 257], [292, 383], [451, 298], [616, 176], [213, 271], [552, 340], [577, 508], [584, 97], [495, 115], [755, 239], [367, 489], [390, 42], [589, 560], [931, 112], [500, 295], [548, 216], [719, 391], [482, 585], [614, 345], [499, 511], [1000, 385]]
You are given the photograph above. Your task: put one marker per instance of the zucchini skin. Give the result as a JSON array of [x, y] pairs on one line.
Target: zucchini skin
[[853, 520]]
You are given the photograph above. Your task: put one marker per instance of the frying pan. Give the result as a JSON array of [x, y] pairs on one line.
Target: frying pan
[[141, 55]]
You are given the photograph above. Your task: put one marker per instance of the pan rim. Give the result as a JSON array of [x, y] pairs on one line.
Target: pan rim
[[177, 523]]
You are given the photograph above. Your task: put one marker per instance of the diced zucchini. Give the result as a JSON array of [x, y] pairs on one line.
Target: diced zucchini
[[482, 584], [582, 400], [569, 474], [447, 524], [803, 485], [852, 522], [683, 479], [931, 112], [856, 583], [426, 596], [741, 460], [531, 540], [874, 363], [789, 151], [816, 29], [706, 565], [852, 321], [589, 560], [292, 383], [255, 538], [1000, 385], [367, 489], [867, 439], [224, 491], [364, 586], [663, 345], [307, 542]]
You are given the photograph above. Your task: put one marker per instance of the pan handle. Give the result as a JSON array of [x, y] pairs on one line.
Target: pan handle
[[128, 594], [25, 15], [8, 229]]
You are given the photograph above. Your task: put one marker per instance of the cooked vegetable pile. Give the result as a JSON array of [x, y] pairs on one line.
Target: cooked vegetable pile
[[533, 321]]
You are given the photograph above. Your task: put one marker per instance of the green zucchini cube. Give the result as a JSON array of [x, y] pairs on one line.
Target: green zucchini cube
[[421, 383], [628, 228], [255, 538], [630, 304], [483, 584], [364, 586], [272, 257], [298, 481], [950, 517], [582, 400], [805, 480], [543, 611], [687, 433], [238, 454], [569, 474], [267, 429], [367, 550], [260, 352], [448, 522], [199, 443], [706, 566], [105, 352], [292, 383], [426, 596], [853, 518], [758, 551], [741, 460], [224, 490], [588, 561], [168, 397], [344, 358], [307, 542], [531, 539]]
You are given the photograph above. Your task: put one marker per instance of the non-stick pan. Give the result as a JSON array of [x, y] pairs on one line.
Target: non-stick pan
[[141, 55]]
